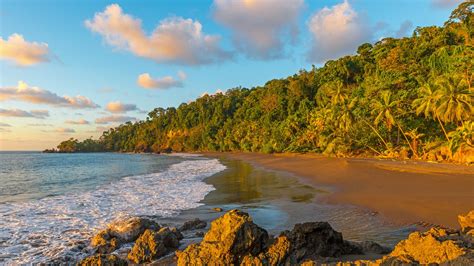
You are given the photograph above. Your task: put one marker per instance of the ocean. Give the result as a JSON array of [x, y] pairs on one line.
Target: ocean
[[52, 203]]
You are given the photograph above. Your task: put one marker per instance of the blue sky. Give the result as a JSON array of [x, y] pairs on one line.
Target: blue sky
[[199, 47]]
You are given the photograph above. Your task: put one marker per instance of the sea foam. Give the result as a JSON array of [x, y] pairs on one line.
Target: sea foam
[[56, 227]]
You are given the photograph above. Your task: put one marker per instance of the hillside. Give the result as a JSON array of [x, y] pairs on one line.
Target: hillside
[[409, 98]]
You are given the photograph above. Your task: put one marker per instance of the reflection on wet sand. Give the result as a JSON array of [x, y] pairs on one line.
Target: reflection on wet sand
[[277, 201]]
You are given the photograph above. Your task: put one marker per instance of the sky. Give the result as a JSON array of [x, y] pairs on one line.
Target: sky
[[75, 68]]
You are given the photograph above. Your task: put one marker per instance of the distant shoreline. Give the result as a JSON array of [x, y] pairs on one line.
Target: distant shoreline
[[403, 192]]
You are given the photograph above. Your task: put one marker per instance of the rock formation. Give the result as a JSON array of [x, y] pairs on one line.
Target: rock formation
[[152, 245], [103, 260]]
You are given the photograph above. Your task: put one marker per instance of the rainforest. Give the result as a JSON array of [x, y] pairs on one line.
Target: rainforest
[[397, 98]]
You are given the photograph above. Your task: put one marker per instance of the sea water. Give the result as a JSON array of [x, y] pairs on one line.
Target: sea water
[[51, 204]]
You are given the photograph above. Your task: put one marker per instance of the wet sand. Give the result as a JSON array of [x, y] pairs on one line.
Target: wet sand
[[278, 200], [401, 192]]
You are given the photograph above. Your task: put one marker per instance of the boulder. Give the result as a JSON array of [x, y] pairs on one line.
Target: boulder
[[467, 223], [104, 243], [230, 238], [128, 230], [193, 224], [152, 245], [217, 209], [370, 247], [277, 254], [120, 232], [435, 246], [101, 259], [318, 239]]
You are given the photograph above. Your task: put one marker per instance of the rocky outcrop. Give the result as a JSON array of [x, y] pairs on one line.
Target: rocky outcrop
[[235, 239], [318, 239], [152, 245], [128, 230], [119, 232], [434, 246], [230, 238], [467, 223], [102, 259]]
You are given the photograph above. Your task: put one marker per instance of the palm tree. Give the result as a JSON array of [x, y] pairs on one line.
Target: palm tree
[[454, 100], [385, 108], [427, 103]]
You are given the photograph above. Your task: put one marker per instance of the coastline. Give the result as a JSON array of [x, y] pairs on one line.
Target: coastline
[[403, 192]]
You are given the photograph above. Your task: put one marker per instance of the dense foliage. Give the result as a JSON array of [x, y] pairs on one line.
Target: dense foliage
[[409, 97]]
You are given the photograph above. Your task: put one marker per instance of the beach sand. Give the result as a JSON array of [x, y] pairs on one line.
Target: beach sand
[[404, 192]]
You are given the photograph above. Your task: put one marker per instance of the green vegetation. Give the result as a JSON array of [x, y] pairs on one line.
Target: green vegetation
[[409, 97]]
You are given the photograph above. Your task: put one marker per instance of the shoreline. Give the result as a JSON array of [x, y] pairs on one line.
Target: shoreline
[[407, 193]]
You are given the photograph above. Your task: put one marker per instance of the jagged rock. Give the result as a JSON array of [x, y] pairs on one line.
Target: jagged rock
[[119, 232], [128, 230], [467, 223], [152, 245], [193, 224], [276, 254], [434, 246], [318, 239], [104, 243], [230, 238], [101, 259], [217, 209]]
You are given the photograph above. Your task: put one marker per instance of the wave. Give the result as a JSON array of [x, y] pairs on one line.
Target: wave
[[59, 226]]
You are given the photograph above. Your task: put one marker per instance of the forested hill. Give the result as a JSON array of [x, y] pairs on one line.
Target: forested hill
[[408, 97]]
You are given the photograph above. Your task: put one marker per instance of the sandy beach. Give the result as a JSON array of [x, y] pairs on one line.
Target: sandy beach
[[404, 192]]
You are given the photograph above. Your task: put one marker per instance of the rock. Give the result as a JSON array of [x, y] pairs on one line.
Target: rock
[[218, 209], [193, 224], [152, 245], [467, 223], [230, 238], [276, 254], [370, 247], [104, 243], [101, 259], [128, 230], [199, 234], [318, 239], [434, 246]]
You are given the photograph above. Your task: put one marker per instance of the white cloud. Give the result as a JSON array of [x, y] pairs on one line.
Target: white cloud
[[40, 114], [118, 107], [146, 81], [4, 125], [445, 3], [174, 40], [64, 130], [23, 53], [114, 119], [260, 28], [337, 31], [77, 122], [218, 91], [24, 92]]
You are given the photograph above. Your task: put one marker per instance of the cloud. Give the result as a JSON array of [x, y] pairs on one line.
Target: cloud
[[40, 114], [174, 40], [118, 107], [23, 53], [405, 29], [146, 81], [114, 119], [4, 130], [4, 125], [337, 31], [445, 3], [64, 130], [24, 92], [218, 91], [40, 125], [77, 122], [260, 28]]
